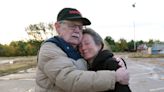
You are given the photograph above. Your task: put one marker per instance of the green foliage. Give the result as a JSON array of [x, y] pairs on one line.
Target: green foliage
[[117, 46], [31, 47], [111, 43], [150, 43], [110, 40], [20, 48], [131, 45], [122, 45]]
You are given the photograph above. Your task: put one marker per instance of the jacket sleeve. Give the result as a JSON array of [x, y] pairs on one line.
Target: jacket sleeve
[[64, 74]]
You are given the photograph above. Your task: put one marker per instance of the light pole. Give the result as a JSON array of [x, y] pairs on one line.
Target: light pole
[[134, 5]]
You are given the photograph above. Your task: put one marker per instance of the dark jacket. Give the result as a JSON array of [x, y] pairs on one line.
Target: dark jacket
[[104, 61]]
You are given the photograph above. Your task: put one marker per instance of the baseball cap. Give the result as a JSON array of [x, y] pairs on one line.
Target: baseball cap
[[72, 14]]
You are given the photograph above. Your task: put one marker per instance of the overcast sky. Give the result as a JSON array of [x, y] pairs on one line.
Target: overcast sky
[[115, 18]]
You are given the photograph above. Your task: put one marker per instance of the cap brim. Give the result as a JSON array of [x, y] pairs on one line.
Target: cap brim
[[85, 21]]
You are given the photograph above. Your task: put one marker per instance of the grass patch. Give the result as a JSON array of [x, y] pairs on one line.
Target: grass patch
[[17, 66], [142, 55]]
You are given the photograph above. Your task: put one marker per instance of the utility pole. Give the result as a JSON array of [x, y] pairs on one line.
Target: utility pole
[[134, 5]]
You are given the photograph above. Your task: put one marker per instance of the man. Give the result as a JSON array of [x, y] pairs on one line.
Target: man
[[60, 67]]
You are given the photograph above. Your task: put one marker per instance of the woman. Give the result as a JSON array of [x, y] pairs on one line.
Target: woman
[[92, 50]]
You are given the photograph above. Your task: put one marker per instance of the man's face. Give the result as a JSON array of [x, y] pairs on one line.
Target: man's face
[[70, 31]]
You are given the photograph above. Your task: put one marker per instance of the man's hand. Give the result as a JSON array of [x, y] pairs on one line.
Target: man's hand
[[122, 76]]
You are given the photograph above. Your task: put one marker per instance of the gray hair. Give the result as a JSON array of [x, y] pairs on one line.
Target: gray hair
[[96, 37]]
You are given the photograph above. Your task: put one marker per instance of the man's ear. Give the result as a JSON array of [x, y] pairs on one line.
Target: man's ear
[[57, 26]]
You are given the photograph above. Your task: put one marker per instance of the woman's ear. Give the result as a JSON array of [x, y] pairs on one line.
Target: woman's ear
[[100, 47]]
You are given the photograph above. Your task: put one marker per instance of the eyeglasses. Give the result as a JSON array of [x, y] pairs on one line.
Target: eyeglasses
[[71, 25]]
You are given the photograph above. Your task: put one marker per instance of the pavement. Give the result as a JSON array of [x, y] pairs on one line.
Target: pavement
[[23, 81], [144, 77]]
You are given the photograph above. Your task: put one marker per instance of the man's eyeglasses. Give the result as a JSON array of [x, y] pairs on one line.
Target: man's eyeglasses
[[71, 25]]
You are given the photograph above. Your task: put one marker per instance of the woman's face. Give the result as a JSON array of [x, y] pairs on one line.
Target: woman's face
[[88, 48]]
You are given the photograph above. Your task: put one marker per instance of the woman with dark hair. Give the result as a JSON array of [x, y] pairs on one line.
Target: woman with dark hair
[[91, 48]]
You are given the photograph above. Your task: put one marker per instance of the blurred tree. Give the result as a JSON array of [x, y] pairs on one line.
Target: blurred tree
[[140, 42], [157, 41], [110, 43], [110, 40], [40, 31], [117, 48], [131, 46], [1, 49], [20, 48], [123, 45], [150, 42]]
